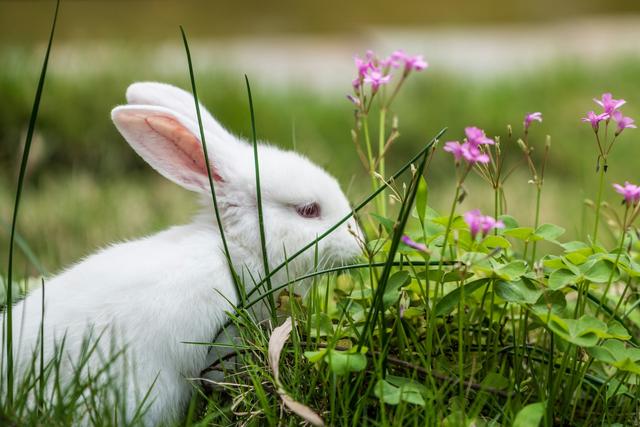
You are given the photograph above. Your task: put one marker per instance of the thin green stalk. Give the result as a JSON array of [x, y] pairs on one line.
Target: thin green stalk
[[621, 299], [452, 212], [550, 398], [537, 221], [367, 142], [358, 207], [263, 240], [23, 168], [461, 342], [381, 144], [598, 203], [496, 212], [41, 393], [615, 264], [234, 276]]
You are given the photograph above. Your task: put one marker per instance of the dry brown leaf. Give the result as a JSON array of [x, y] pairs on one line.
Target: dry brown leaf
[[278, 338], [301, 410]]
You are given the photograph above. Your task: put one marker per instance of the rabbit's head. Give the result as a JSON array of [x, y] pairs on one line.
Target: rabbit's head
[[300, 200]]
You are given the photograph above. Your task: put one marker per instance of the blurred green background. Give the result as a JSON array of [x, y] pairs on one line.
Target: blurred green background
[[491, 62]]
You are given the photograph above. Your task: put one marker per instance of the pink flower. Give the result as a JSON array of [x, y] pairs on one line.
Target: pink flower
[[415, 245], [364, 65], [630, 192], [470, 153], [394, 60], [455, 148], [376, 79], [411, 63], [609, 104], [476, 136], [530, 117], [595, 119], [623, 122], [473, 154], [415, 63], [479, 223]]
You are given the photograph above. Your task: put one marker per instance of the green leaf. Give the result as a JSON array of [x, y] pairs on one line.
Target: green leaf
[[531, 415], [553, 300], [394, 284], [361, 294], [387, 393], [575, 245], [522, 233], [561, 278], [315, 356], [495, 381], [412, 312], [421, 198], [511, 271], [457, 223], [321, 325], [520, 291], [492, 241], [402, 390], [599, 272], [616, 354], [549, 232], [509, 222], [553, 262], [387, 223], [447, 303], [343, 362], [627, 365], [616, 330], [585, 331], [576, 257]]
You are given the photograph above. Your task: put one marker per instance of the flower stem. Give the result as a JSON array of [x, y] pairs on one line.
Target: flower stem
[[615, 264], [449, 223], [496, 201], [537, 221], [599, 201], [382, 208], [367, 141]]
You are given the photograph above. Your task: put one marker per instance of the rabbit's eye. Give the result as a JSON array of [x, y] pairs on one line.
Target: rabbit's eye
[[310, 210]]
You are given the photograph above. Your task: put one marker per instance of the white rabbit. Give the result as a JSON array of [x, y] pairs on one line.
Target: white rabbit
[[156, 293]]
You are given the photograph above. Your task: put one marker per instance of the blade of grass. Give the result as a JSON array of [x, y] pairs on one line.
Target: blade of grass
[[23, 168], [399, 226], [357, 208], [234, 276], [41, 395], [263, 240]]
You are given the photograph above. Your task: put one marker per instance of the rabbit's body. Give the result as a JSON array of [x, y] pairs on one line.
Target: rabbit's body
[[101, 296], [157, 296]]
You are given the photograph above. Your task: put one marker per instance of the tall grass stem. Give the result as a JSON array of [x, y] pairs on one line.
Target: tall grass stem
[[23, 168]]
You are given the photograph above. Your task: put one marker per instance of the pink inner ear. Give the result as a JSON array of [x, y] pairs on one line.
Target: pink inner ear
[[188, 147]]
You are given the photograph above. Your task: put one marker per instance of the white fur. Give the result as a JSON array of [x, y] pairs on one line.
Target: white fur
[[155, 293]]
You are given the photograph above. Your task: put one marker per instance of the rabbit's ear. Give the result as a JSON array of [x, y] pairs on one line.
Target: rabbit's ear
[[174, 98], [168, 141]]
